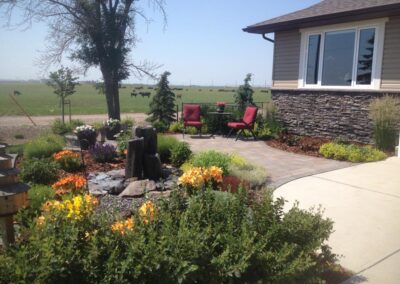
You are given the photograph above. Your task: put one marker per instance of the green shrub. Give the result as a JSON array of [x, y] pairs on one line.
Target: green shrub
[[212, 158], [350, 152], [165, 144], [60, 128], [160, 126], [39, 171], [44, 146], [122, 140], [385, 115], [37, 194], [176, 127], [180, 153], [211, 237]]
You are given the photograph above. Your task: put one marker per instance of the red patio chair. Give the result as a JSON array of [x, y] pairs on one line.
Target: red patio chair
[[247, 122], [191, 117]]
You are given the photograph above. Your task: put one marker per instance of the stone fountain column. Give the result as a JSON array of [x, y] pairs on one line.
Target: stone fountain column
[[143, 160]]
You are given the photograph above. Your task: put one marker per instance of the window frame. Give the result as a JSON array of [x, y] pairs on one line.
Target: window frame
[[377, 24]]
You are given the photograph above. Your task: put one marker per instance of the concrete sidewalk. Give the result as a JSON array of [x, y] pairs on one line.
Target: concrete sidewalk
[[364, 203]]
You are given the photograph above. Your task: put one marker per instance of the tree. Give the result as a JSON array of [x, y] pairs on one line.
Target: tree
[[64, 84], [244, 95], [96, 33], [162, 106]]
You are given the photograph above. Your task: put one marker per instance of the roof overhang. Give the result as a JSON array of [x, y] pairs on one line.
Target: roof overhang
[[328, 19]]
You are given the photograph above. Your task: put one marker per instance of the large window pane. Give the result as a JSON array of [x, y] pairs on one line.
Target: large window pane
[[338, 58], [313, 59], [365, 56]]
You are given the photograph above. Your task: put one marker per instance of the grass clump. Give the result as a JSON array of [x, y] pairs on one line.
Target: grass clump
[[385, 115], [39, 171], [44, 146], [352, 153]]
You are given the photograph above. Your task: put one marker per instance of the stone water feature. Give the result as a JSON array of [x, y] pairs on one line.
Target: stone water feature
[[143, 176], [13, 196]]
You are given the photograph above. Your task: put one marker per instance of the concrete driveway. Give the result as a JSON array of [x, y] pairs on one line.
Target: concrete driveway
[[364, 203]]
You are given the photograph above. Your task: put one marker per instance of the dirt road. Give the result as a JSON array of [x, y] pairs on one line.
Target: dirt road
[[47, 120]]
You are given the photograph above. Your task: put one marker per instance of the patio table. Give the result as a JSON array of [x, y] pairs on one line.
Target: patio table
[[219, 116]]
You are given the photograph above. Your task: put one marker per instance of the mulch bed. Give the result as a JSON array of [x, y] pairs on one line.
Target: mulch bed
[[298, 144], [92, 166]]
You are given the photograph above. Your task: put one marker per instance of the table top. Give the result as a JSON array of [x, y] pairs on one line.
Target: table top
[[220, 113]]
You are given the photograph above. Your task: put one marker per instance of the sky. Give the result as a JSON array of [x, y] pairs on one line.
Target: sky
[[202, 43]]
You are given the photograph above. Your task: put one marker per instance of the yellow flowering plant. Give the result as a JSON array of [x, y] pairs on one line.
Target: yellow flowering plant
[[147, 211], [199, 177], [74, 208]]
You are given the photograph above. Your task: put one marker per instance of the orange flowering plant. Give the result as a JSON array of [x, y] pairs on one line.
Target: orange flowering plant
[[122, 227], [68, 160], [69, 184], [199, 177]]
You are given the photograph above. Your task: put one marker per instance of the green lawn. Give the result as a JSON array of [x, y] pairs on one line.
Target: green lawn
[[39, 99]]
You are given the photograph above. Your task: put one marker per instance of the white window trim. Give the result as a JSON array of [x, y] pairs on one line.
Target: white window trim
[[378, 24]]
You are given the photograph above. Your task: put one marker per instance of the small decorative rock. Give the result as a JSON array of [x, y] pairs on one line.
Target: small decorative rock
[[138, 188]]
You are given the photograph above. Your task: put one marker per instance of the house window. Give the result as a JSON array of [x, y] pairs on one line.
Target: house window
[[342, 57]]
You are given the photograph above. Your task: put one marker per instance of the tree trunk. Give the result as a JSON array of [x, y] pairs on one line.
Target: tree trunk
[[62, 109], [112, 96]]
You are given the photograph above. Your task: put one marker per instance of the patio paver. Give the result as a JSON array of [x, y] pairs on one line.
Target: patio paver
[[281, 166]]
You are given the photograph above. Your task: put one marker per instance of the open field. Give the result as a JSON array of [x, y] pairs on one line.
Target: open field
[[39, 99]]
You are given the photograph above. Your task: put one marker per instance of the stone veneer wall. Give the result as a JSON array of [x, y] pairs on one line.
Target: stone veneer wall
[[326, 113]]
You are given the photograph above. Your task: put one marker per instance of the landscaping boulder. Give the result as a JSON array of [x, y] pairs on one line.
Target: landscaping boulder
[[138, 188]]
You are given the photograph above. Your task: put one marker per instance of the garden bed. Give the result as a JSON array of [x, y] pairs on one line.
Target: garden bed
[[298, 144]]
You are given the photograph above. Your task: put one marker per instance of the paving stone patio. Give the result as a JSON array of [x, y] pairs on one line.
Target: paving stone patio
[[281, 166]]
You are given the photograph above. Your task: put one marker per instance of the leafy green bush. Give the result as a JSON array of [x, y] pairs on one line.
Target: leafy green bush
[[39, 171], [212, 158], [350, 152], [160, 126], [385, 115], [239, 167], [44, 146], [37, 194], [180, 153], [122, 140], [165, 144], [211, 237], [60, 128], [176, 127]]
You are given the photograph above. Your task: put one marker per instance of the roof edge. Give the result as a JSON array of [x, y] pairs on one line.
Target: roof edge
[[373, 12]]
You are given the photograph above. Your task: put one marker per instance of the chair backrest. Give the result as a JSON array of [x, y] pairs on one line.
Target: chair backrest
[[191, 112], [250, 115]]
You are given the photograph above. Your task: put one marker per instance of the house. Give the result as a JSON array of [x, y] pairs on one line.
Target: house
[[330, 61]]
